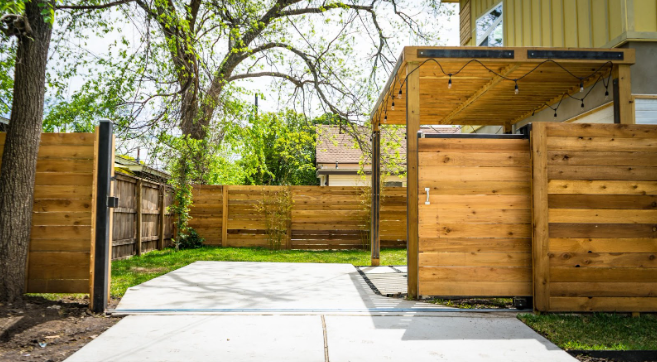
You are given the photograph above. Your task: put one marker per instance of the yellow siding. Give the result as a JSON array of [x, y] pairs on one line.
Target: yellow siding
[[573, 23]]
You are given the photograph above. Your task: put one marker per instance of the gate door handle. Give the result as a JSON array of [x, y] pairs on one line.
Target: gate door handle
[[427, 190]]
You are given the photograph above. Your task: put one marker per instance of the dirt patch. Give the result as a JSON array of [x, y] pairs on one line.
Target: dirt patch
[[45, 330], [477, 303]]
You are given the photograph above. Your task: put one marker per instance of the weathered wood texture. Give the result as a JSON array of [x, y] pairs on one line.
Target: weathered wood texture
[[321, 217], [60, 244], [598, 246], [124, 241], [475, 235]]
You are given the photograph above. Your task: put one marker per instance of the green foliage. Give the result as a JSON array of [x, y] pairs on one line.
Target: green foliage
[[275, 149], [191, 240], [139, 269], [599, 331], [276, 208]]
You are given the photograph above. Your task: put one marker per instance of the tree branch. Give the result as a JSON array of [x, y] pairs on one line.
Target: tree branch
[[93, 7]]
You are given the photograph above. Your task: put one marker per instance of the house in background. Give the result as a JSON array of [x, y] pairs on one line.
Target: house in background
[[4, 122], [132, 167], [338, 158], [582, 24]]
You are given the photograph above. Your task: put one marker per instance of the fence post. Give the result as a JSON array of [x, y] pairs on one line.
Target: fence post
[[160, 239], [224, 215], [288, 240], [540, 259], [102, 250], [139, 190]]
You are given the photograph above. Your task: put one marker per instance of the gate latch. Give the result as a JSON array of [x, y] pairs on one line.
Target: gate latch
[[427, 190]]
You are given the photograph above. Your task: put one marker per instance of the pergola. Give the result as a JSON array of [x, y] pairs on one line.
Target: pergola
[[483, 86]]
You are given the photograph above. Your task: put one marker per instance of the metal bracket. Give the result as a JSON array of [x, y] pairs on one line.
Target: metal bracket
[[112, 202], [427, 190]]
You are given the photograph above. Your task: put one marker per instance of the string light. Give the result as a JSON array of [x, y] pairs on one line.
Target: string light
[[385, 118], [515, 80]]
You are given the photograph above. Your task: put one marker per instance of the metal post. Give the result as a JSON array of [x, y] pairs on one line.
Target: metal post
[[102, 249]]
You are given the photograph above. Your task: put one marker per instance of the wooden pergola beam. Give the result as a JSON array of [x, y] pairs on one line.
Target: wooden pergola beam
[[375, 242], [506, 71]]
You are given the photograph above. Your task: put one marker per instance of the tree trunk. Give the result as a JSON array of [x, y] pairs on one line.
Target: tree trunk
[[18, 167]]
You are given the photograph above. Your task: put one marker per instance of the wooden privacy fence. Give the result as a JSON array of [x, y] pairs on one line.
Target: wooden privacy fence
[[595, 217], [474, 216], [320, 217], [59, 259], [139, 229]]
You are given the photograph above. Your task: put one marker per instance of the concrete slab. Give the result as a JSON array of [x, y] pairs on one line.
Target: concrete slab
[[246, 286], [438, 338], [173, 338], [183, 338]]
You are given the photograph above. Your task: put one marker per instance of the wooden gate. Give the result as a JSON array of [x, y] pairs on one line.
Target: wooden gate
[[474, 215]]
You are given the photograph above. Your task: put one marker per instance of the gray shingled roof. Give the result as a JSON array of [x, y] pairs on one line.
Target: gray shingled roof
[[335, 146]]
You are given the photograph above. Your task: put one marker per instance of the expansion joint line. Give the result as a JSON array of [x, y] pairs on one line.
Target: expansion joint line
[[326, 353]]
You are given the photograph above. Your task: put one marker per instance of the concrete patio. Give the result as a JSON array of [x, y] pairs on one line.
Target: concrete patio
[[216, 311]]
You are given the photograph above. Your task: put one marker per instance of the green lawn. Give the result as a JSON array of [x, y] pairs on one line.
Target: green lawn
[[600, 331], [136, 270]]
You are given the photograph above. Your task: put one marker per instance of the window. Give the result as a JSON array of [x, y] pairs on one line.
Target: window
[[645, 110], [490, 31]]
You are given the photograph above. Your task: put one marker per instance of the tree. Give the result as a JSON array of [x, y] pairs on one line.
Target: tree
[[276, 149], [33, 31], [192, 54], [30, 23]]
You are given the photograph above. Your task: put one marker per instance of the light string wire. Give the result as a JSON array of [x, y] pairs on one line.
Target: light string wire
[[610, 64]]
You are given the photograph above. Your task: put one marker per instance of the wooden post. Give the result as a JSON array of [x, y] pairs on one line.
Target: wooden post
[[375, 241], [224, 216], [160, 239], [540, 258], [288, 239], [623, 102], [412, 128], [508, 128], [139, 192]]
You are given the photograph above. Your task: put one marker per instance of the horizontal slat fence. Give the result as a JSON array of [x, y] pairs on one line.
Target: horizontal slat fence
[[475, 234], [321, 217], [128, 224], [60, 246], [595, 216]]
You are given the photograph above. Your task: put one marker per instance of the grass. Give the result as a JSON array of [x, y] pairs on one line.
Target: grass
[[136, 270], [600, 331]]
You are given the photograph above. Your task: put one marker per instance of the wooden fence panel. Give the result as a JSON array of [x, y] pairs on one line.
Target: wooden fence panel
[[475, 235], [321, 217], [124, 237], [60, 245], [595, 210], [330, 217]]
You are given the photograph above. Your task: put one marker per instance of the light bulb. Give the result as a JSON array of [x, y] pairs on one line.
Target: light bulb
[[581, 87], [392, 106], [385, 119], [555, 114], [606, 93], [449, 84], [517, 90], [399, 94], [582, 103]]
